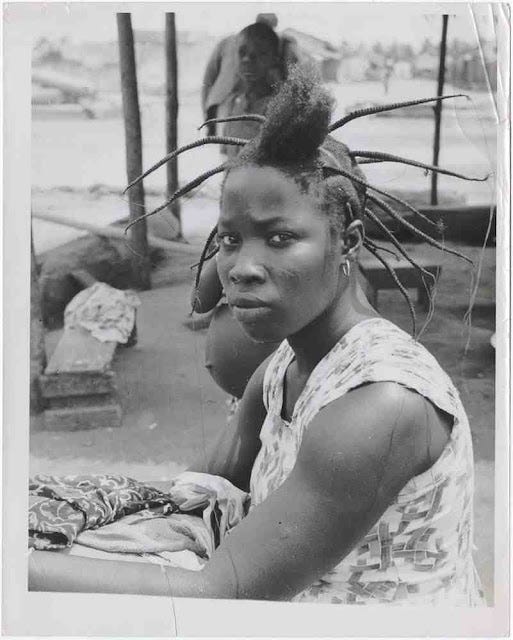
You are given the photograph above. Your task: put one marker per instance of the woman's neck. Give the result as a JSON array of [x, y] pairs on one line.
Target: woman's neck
[[312, 343]]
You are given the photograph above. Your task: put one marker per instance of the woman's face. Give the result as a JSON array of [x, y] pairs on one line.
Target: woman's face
[[278, 260], [256, 59]]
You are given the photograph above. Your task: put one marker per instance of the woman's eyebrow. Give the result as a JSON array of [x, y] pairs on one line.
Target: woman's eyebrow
[[271, 221]]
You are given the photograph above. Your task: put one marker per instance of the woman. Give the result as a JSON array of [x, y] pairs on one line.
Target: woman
[[351, 439]]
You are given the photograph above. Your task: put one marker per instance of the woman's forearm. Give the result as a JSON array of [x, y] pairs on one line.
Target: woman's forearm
[[54, 571]]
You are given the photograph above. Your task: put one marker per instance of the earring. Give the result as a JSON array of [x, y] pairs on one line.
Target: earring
[[346, 268]]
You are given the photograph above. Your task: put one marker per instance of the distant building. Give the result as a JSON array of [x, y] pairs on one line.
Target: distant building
[[426, 65], [354, 68], [325, 56], [476, 69]]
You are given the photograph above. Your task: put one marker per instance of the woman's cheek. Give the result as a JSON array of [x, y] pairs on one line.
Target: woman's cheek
[[223, 270]]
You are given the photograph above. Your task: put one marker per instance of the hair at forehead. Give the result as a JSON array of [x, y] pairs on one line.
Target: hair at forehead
[[262, 32], [295, 128]]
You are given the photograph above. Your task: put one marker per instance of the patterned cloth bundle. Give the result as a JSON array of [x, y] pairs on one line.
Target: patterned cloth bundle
[[116, 514], [107, 313]]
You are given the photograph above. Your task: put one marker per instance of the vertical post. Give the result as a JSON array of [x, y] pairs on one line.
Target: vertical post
[[133, 139], [172, 114], [37, 335], [438, 109]]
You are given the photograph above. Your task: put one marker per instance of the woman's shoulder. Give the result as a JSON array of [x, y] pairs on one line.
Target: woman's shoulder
[[376, 434], [378, 350]]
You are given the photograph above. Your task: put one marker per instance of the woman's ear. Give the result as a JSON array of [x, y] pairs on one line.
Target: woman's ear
[[352, 239]]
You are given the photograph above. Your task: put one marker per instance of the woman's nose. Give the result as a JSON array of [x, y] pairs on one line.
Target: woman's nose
[[247, 269]]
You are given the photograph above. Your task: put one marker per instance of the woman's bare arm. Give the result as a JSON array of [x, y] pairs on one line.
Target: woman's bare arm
[[233, 454], [355, 457]]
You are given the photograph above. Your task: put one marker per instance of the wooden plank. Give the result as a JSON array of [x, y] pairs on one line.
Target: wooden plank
[[75, 418], [118, 234], [379, 277], [438, 109], [64, 384], [79, 351], [172, 114], [141, 268]]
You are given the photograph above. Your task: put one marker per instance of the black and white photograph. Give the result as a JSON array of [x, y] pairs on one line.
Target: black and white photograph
[[256, 337]]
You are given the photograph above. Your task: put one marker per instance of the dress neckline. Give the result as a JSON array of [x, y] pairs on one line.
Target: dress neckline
[[291, 357]]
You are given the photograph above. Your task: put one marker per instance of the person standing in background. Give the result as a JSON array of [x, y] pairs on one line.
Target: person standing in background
[[259, 73], [221, 78]]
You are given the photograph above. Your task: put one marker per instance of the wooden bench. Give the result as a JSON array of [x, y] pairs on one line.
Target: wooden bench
[[78, 385], [378, 278]]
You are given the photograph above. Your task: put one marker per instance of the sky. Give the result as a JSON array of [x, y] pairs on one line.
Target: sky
[[354, 22]]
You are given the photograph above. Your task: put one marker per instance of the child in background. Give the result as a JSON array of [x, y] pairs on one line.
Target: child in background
[[260, 72]]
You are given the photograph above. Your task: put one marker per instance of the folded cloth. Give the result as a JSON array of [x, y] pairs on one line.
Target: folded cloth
[[119, 515], [222, 504], [61, 507], [150, 531], [181, 559], [107, 313]]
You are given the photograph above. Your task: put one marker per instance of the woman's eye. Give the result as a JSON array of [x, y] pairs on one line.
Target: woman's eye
[[280, 239], [227, 240]]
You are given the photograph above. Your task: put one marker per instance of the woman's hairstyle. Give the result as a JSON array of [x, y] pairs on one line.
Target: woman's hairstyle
[[264, 33], [295, 138]]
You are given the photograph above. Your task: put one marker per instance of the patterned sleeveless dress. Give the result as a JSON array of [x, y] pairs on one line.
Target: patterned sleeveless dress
[[420, 551]]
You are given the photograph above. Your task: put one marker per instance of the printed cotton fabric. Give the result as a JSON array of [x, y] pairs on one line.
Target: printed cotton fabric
[[420, 551], [119, 515], [61, 507]]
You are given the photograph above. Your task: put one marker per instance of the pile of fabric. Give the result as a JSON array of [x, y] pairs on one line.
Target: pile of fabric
[[107, 313], [107, 516]]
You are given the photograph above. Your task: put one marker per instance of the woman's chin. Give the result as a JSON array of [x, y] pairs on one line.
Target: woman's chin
[[262, 334]]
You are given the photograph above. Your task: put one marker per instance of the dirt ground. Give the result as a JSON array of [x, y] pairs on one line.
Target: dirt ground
[[172, 409]]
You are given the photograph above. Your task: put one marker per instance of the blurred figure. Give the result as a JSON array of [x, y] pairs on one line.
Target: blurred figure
[[221, 80], [259, 74], [388, 72]]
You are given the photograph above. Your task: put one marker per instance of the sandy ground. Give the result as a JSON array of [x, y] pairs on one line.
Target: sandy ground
[[172, 409]]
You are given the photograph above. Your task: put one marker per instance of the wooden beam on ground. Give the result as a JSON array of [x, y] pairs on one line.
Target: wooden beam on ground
[[172, 114], [141, 267], [438, 109], [119, 234]]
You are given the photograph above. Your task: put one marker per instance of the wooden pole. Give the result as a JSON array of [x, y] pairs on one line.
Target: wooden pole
[[172, 114], [140, 256], [118, 234], [438, 109], [37, 335]]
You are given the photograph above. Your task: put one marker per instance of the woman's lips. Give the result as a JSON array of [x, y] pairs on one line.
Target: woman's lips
[[246, 302], [248, 309], [250, 314]]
